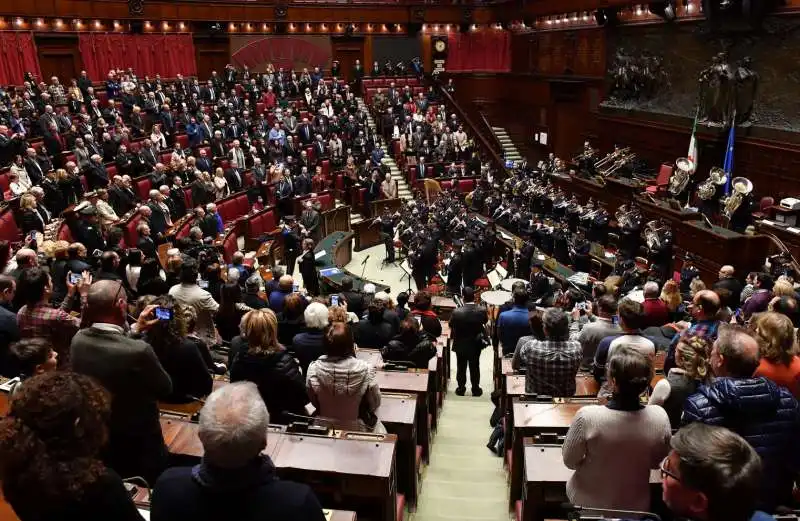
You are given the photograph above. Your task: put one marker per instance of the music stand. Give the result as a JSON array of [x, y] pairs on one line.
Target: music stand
[[494, 278], [406, 267]]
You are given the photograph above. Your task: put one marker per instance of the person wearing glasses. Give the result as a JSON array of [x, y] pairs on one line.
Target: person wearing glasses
[[762, 412], [712, 474], [129, 369], [612, 447]]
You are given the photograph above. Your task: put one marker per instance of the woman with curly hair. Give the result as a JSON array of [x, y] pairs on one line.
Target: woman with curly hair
[[178, 354], [692, 368], [50, 443], [776, 345]]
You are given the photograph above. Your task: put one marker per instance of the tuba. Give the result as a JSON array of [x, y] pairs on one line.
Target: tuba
[[651, 235], [707, 189], [684, 168], [741, 187]]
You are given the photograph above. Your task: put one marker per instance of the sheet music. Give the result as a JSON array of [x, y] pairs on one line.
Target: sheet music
[[320, 253], [494, 279]]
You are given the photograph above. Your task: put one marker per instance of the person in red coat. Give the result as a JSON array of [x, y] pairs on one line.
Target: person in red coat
[[656, 312]]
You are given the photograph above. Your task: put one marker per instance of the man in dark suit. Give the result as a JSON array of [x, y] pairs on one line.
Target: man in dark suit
[[124, 161], [167, 124], [88, 229], [145, 244], [160, 218], [131, 372], [96, 175], [9, 331], [203, 163], [35, 170], [148, 155], [467, 329], [727, 280], [121, 197]]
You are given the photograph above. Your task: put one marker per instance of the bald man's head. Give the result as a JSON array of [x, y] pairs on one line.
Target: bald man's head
[[26, 258], [726, 272], [107, 302], [706, 303]]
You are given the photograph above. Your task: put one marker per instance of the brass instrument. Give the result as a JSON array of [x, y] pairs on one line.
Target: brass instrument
[[619, 163], [611, 158], [684, 168], [741, 187], [651, 237], [707, 189]]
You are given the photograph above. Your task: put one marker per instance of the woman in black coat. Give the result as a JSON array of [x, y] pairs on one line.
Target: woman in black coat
[[411, 345], [308, 268], [263, 361], [178, 354]]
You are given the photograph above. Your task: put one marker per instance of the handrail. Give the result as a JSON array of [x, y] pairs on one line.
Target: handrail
[[782, 247], [495, 139], [478, 136]]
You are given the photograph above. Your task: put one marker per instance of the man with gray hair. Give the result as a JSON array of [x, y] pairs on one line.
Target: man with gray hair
[[655, 310], [550, 365], [234, 480], [764, 414]]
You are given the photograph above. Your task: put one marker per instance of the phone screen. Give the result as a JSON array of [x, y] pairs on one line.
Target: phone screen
[[615, 320], [334, 300], [295, 287], [202, 283], [74, 278], [163, 313]]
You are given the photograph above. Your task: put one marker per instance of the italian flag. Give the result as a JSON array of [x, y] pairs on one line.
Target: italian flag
[[692, 154]]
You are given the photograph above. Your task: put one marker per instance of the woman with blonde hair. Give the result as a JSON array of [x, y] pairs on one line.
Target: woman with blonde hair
[[776, 343], [692, 368], [221, 188], [262, 360], [671, 295], [782, 288], [696, 286]]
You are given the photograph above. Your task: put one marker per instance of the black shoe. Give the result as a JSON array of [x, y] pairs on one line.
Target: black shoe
[[461, 391], [477, 391]]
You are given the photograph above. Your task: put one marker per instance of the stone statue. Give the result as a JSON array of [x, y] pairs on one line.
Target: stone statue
[[746, 80], [723, 92], [636, 77]]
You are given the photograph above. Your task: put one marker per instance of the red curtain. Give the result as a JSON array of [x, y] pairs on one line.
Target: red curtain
[[148, 54], [481, 51], [17, 56]]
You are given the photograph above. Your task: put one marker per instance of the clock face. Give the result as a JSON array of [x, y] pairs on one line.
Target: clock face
[[440, 45]]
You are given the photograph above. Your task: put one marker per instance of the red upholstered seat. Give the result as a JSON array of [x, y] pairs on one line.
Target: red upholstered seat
[[184, 230], [362, 192], [260, 107], [326, 202], [102, 98], [412, 81], [367, 82], [412, 174], [248, 179], [134, 148], [447, 185], [143, 187], [465, 186], [429, 171], [112, 171], [338, 181], [165, 157], [183, 139], [5, 184], [311, 155], [64, 234], [8, 226], [230, 246], [662, 180], [129, 233], [187, 196], [84, 183], [326, 167], [69, 157]]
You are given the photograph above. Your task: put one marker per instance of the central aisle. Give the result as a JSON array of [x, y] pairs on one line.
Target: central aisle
[[464, 480]]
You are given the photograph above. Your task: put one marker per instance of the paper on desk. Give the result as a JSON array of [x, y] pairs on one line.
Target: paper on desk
[[144, 513], [320, 253], [505, 236], [793, 229]]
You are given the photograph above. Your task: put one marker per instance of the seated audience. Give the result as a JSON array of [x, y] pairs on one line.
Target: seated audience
[[178, 354], [429, 320], [263, 361], [50, 445], [341, 386], [235, 480], [598, 434], [703, 310], [278, 295], [763, 413], [411, 345], [692, 368], [761, 296], [550, 365]]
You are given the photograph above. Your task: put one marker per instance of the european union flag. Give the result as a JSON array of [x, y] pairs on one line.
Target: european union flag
[[728, 167]]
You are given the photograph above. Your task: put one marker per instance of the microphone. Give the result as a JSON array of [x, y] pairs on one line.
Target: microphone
[[639, 514], [365, 260]]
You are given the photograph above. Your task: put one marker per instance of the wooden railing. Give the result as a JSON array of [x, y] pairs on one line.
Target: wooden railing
[[478, 135]]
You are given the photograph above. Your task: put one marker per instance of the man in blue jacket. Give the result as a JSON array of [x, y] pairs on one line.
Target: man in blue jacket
[[764, 414]]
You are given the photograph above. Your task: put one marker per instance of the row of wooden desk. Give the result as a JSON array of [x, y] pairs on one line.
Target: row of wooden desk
[[534, 467]]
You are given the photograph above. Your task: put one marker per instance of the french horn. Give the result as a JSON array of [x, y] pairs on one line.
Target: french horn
[[741, 187], [684, 168], [707, 189]]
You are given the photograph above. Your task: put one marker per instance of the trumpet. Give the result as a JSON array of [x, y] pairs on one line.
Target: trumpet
[[611, 157]]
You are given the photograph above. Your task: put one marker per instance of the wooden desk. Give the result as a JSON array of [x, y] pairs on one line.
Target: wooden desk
[[368, 234], [398, 412], [354, 470], [546, 476], [336, 220], [414, 381]]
